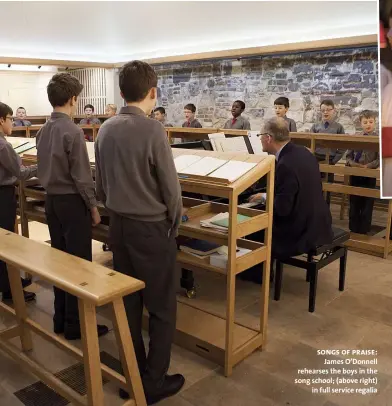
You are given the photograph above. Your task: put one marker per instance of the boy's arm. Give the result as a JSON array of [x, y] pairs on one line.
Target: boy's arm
[[80, 170], [168, 180], [11, 161], [313, 129], [98, 179], [350, 157], [293, 127], [374, 164], [198, 125], [246, 125], [339, 152]]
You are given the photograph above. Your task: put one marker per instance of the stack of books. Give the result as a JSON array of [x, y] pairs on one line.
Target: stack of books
[[199, 248], [220, 222]]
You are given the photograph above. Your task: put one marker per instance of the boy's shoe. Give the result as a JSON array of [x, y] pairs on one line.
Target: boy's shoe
[[172, 385]]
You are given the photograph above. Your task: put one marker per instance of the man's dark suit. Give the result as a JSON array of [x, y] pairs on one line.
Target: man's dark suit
[[302, 219]]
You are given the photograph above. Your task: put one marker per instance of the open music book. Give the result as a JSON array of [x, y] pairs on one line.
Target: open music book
[[233, 170], [183, 161], [214, 138], [204, 166]]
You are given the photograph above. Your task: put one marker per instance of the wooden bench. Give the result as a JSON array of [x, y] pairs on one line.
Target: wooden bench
[[94, 285]]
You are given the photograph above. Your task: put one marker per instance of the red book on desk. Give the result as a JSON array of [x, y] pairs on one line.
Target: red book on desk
[[386, 142]]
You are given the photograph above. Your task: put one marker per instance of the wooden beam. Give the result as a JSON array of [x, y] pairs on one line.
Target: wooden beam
[[54, 62], [360, 40]]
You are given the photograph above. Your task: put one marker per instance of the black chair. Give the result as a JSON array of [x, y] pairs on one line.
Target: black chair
[[329, 253]]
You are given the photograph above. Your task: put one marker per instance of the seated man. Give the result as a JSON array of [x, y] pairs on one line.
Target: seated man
[[302, 220]]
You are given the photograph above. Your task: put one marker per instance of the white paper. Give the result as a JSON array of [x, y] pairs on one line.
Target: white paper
[[255, 142], [233, 144], [213, 138], [220, 258], [233, 170], [24, 148], [17, 141], [204, 166], [90, 151], [183, 161]]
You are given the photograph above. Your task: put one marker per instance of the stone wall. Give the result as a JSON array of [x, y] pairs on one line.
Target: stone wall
[[348, 77]]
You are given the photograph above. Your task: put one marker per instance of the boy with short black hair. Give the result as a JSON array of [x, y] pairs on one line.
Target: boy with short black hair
[[11, 170], [137, 181], [237, 122], [70, 207], [20, 120], [89, 119], [191, 121], [361, 207], [160, 115], [281, 106], [328, 125]]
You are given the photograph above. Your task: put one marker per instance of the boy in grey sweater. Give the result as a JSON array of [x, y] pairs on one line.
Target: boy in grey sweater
[[137, 181]]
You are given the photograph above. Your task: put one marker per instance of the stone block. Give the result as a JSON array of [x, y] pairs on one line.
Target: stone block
[[296, 104], [364, 66], [303, 68], [369, 104]]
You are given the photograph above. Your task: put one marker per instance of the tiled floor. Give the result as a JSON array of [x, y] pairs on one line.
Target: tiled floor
[[358, 318]]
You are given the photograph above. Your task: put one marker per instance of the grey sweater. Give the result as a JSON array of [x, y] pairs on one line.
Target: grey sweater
[[135, 173]]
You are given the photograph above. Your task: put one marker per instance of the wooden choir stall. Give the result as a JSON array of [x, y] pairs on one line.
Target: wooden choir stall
[[219, 339]]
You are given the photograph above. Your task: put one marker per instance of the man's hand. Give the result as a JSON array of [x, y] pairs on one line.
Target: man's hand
[[96, 218], [258, 197]]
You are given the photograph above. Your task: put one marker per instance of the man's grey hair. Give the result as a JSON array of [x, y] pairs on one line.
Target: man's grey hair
[[277, 128]]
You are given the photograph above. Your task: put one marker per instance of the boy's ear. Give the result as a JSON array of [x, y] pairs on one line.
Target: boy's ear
[[153, 93]]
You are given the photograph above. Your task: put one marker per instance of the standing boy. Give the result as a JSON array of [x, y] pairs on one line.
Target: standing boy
[[20, 120], [237, 122], [137, 181], [328, 125], [361, 208], [160, 115], [11, 170], [191, 121], [282, 105], [90, 119], [70, 207]]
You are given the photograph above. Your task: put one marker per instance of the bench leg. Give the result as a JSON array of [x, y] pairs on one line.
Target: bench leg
[[313, 272], [20, 307], [278, 279], [127, 353], [91, 357], [342, 270]]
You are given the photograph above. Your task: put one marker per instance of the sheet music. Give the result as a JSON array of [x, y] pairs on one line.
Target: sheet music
[[233, 170], [255, 142], [18, 141], [204, 166], [90, 151], [24, 147], [183, 161], [234, 144], [213, 138]]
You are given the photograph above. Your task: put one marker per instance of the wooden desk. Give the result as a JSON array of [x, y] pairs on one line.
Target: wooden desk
[[33, 130], [93, 285], [217, 338], [20, 131]]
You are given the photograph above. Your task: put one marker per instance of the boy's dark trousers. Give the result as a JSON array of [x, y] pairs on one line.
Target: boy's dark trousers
[[145, 251], [7, 221], [361, 208], [69, 222]]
